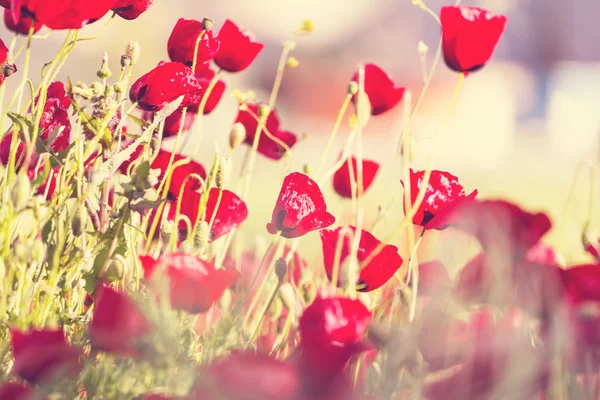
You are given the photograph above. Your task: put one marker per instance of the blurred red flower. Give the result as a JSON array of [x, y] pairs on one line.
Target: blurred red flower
[[375, 274], [173, 122], [267, 146], [247, 375], [442, 196], [182, 44], [180, 174], [59, 14], [18, 391], [380, 88], [165, 84], [341, 179], [238, 48], [118, 325], [194, 284], [434, 279], [300, 208], [231, 213], [205, 76], [469, 36], [22, 26], [131, 9], [44, 355], [332, 332]]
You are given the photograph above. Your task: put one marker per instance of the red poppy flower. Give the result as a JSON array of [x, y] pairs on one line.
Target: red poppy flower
[[22, 26], [503, 229], [443, 195], [164, 84], [131, 9], [18, 391], [238, 48], [372, 276], [332, 331], [489, 358], [42, 355], [434, 279], [117, 324], [7, 67], [173, 123], [341, 179], [205, 76], [300, 208], [56, 116], [194, 284], [64, 14], [180, 174], [5, 150], [231, 213], [469, 36], [266, 145], [182, 43], [247, 375], [380, 88], [49, 185]]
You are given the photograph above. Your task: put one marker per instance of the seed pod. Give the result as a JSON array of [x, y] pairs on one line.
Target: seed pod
[[237, 135], [104, 71], [280, 269], [115, 271], [207, 24]]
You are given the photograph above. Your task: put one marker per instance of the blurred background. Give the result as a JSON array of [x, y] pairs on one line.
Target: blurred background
[[521, 126]]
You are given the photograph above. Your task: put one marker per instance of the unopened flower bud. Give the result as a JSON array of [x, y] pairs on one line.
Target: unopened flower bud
[[207, 24], [353, 88], [115, 271], [223, 173], [280, 269], [104, 71], [307, 169], [166, 230], [292, 62], [422, 48], [120, 86], [78, 222], [237, 135], [21, 191], [202, 235], [132, 53], [97, 88], [264, 110], [81, 89]]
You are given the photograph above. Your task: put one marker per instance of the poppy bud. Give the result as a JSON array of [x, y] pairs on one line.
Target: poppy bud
[[78, 223], [207, 24], [166, 230], [237, 135], [223, 173], [81, 89], [115, 271], [97, 88], [264, 110], [292, 62], [353, 88], [104, 71], [307, 169], [202, 235], [9, 70], [132, 53], [120, 86], [280, 269], [21, 191]]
